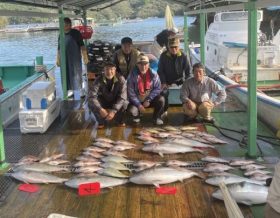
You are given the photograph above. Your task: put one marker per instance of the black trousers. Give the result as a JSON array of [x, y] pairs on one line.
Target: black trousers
[[165, 94], [157, 103]]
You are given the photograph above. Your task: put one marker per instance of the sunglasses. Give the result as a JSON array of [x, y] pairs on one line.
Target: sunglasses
[[174, 46]]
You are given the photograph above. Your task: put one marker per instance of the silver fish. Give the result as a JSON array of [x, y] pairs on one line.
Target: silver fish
[[230, 180], [169, 148], [245, 193], [188, 128], [252, 167], [58, 162], [115, 165], [260, 176], [161, 175], [189, 142], [177, 163], [112, 172], [116, 159], [41, 167], [216, 167], [251, 172], [213, 159], [162, 135], [170, 128], [86, 169], [240, 162], [121, 147], [93, 154], [106, 140], [146, 163], [94, 149], [28, 159], [105, 181], [36, 177], [53, 157], [102, 144], [122, 142], [86, 163]]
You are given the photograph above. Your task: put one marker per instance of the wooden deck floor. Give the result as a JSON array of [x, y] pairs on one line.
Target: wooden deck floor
[[193, 197]]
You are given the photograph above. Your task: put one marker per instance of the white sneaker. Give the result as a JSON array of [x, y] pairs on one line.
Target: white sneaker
[[136, 120], [164, 114], [159, 121]]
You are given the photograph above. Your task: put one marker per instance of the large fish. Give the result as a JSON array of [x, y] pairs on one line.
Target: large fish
[[177, 163], [86, 169], [161, 175], [115, 165], [41, 167], [146, 163], [169, 148], [36, 177], [251, 172], [213, 159], [83, 163], [245, 193], [116, 159], [216, 180], [252, 167], [240, 162], [53, 157], [106, 140], [216, 167], [112, 172], [105, 181], [189, 142]]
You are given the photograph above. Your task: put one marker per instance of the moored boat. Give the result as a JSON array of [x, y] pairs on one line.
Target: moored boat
[[226, 49]]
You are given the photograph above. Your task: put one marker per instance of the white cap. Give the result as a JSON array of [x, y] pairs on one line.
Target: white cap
[[174, 30]]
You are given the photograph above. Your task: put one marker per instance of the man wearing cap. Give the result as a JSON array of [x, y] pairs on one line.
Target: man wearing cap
[[197, 92], [108, 96], [75, 49], [143, 88], [125, 58], [173, 68], [161, 41]]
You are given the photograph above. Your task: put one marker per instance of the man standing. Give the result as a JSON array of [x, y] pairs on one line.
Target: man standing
[[173, 68], [161, 41], [125, 58], [108, 96], [74, 47], [143, 87], [196, 94]]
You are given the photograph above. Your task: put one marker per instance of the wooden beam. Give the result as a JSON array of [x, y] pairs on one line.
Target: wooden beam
[[9, 13]]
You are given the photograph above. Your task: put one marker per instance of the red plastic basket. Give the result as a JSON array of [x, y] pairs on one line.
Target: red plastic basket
[[86, 31]]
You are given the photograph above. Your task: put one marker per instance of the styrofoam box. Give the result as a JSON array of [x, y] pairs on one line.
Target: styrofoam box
[[39, 95], [38, 120]]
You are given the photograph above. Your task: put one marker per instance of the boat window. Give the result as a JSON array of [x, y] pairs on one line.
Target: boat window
[[238, 16]]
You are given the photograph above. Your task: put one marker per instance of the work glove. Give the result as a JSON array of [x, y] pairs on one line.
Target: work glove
[[85, 56]]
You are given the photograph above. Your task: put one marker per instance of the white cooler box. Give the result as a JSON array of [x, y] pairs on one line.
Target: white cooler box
[[38, 120], [39, 95]]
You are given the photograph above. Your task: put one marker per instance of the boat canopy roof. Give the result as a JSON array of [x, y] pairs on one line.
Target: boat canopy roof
[[97, 4]]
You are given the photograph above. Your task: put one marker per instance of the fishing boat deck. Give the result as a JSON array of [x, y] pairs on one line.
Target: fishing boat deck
[[75, 129]]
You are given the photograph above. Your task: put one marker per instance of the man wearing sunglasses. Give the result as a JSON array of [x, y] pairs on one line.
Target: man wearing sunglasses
[[173, 68]]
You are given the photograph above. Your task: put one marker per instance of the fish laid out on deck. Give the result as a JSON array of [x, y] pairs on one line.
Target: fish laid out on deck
[[245, 193]]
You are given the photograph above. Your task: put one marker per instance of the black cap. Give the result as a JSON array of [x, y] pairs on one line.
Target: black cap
[[109, 64], [126, 40]]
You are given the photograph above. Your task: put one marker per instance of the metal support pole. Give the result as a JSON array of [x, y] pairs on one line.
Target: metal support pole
[[62, 53], [3, 164], [85, 24], [186, 35], [202, 37], [252, 78]]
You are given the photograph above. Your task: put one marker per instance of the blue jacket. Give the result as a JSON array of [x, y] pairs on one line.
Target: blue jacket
[[132, 87]]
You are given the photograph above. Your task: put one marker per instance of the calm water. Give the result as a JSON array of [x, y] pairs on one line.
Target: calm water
[[22, 48]]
